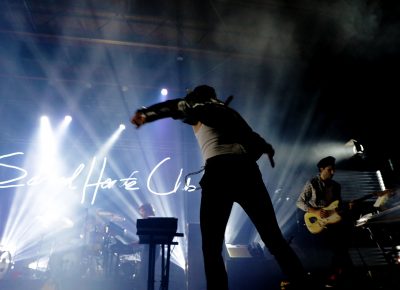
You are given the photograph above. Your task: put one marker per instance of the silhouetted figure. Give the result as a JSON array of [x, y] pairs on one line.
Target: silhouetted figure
[[230, 149]]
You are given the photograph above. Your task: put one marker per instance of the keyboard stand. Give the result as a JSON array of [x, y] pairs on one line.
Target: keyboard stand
[[165, 241]]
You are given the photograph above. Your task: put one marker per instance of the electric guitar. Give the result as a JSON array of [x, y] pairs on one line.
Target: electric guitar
[[315, 224]]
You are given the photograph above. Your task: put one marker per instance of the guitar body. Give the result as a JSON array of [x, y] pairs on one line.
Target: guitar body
[[315, 224]]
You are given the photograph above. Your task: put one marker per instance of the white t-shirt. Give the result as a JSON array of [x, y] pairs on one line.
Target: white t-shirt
[[207, 139]]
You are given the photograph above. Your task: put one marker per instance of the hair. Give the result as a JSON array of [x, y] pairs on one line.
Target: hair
[[201, 93], [325, 162], [148, 209], [206, 91]]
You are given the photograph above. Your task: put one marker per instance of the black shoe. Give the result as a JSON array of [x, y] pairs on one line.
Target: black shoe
[[286, 285], [332, 281]]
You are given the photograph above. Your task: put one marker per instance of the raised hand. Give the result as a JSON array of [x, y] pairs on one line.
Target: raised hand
[[138, 119]]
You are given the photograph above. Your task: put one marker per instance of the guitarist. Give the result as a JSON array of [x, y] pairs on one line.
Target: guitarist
[[318, 194]]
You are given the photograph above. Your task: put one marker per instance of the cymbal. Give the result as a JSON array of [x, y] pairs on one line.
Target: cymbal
[[389, 216], [110, 215]]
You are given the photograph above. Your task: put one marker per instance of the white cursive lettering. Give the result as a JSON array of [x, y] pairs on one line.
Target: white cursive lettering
[[24, 172], [91, 183]]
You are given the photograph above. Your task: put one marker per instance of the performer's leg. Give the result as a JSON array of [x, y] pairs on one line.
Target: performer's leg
[[257, 204], [214, 215]]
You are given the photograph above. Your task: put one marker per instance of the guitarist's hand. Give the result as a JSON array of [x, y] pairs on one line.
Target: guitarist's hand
[[317, 219], [324, 213]]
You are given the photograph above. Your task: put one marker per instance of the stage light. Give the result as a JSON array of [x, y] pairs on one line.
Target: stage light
[[40, 207], [44, 119], [358, 148], [67, 118], [5, 263], [164, 92], [61, 130], [110, 141]]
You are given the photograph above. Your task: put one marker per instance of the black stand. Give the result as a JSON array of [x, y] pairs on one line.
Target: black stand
[[386, 244], [165, 242]]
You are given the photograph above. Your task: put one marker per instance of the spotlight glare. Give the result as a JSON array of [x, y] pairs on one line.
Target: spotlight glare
[[67, 118], [122, 126], [6, 261], [164, 92], [44, 119]]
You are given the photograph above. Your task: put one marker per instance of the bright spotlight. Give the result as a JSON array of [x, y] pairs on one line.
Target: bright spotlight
[[67, 118], [164, 92], [44, 119], [358, 148], [110, 141], [64, 124], [5, 260], [47, 141]]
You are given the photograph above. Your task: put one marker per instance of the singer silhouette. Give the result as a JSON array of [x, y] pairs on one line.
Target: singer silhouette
[[230, 150]]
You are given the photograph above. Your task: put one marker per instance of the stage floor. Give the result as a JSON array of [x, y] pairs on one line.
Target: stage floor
[[373, 278]]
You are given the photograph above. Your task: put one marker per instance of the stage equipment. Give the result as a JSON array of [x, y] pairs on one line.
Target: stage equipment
[[383, 229], [153, 231], [111, 216], [5, 263]]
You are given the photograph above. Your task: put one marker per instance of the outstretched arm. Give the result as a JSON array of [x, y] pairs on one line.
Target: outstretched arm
[[169, 109]]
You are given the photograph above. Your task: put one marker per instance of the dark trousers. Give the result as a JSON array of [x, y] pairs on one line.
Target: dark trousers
[[337, 238], [228, 179]]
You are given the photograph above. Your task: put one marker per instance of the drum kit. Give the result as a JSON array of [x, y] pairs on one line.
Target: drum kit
[[95, 254]]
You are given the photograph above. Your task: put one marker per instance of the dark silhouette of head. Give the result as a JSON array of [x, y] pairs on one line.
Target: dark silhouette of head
[[325, 162], [146, 210]]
